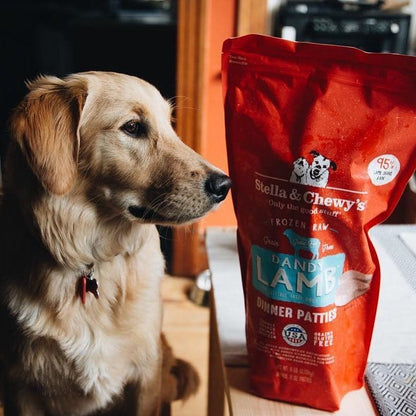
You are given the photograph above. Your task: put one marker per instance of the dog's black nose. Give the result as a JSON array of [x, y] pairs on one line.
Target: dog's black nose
[[217, 186]]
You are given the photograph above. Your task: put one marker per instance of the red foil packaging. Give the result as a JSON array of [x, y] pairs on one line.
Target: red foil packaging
[[321, 142]]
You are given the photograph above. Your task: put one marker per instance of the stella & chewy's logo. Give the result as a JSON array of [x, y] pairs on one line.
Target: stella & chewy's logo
[[314, 174], [294, 335]]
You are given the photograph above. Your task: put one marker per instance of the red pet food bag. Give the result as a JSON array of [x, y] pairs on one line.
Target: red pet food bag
[[321, 142]]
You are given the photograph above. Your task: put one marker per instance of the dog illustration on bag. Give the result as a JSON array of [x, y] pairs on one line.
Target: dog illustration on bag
[[316, 173], [300, 169], [307, 244]]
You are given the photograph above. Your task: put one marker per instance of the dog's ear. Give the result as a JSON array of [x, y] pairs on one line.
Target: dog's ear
[[314, 153], [333, 165], [46, 127]]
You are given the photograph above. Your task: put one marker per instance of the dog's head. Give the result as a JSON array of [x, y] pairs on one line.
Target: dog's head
[[110, 135], [320, 164], [300, 166]]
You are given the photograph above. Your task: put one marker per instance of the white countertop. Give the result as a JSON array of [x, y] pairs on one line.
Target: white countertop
[[394, 338]]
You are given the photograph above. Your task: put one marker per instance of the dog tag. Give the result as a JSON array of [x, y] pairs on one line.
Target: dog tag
[[88, 283], [83, 288], [92, 286]]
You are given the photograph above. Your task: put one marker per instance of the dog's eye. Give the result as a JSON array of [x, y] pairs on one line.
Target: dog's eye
[[134, 128]]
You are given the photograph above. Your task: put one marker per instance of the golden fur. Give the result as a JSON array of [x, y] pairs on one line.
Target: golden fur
[[93, 164]]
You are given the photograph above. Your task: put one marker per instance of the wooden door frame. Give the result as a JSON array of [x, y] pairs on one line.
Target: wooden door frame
[[188, 247], [192, 20]]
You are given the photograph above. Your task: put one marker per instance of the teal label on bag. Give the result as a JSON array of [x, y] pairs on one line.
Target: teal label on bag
[[292, 278]]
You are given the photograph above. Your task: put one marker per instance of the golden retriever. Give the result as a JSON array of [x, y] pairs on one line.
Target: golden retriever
[[93, 164]]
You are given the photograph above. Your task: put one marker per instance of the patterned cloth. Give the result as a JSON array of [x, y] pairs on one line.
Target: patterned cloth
[[391, 371], [393, 387]]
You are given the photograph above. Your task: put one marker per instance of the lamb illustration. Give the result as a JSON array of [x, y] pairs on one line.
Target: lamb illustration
[[299, 242]]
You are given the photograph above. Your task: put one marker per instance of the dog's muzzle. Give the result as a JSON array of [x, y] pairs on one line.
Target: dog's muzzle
[[316, 173], [217, 187]]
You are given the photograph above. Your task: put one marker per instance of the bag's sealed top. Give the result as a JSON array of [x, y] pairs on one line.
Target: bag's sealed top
[[396, 70], [321, 142]]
